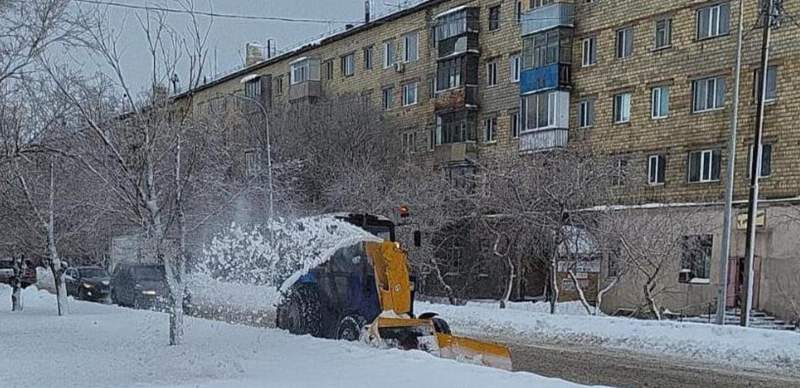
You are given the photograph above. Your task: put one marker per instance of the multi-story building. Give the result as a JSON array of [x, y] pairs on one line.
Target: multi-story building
[[647, 82]]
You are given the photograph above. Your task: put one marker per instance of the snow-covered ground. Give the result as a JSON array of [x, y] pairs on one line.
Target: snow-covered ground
[[730, 345], [107, 346]]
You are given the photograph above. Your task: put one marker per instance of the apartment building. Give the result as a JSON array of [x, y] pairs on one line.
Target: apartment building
[[648, 82]]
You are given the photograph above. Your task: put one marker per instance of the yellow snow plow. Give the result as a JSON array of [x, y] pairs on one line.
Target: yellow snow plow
[[396, 325]]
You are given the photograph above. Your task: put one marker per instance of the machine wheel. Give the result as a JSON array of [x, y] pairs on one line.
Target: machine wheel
[[350, 328], [300, 312], [439, 324]]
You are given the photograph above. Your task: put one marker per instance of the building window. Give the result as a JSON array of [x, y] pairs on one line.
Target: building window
[[328, 69], [519, 12], [625, 42], [454, 127], [660, 102], [411, 47], [540, 110], [389, 53], [449, 73], [547, 48], [514, 118], [368, 57], [696, 258], [540, 3], [490, 130], [494, 18], [704, 166], [491, 73], [713, 21], [586, 113], [252, 88], [663, 33], [388, 98], [766, 161], [278, 85], [410, 142], [620, 172], [305, 69], [656, 170], [515, 67], [772, 84], [251, 163], [708, 94], [349, 64], [589, 53], [622, 108], [410, 94]]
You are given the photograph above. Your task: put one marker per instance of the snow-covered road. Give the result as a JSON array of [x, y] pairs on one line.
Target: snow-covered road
[[107, 346]]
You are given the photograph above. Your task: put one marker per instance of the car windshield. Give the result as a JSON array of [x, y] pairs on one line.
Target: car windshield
[[93, 273], [149, 273]]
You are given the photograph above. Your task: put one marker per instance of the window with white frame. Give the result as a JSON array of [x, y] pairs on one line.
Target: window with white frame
[[696, 258], [411, 47], [624, 46], [540, 110], [389, 53], [494, 18], [586, 113], [708, 94], [663, 36], [515, 67], [367, 51], [410, 94], [305, 69], [713, 21], [388, 98], [349, 64], [589, 52], [251, 163], [514, 121], [704, 166], [659, 102], [491, 73], [656, 170], [540, 3], [410, 142], [622, 108], [766, 161], [490, 130], [772, 84]]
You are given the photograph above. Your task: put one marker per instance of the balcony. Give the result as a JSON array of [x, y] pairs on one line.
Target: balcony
[[555, 76], [304, 90], [547, 17], [543, 140], [455, 152], [459, 98]]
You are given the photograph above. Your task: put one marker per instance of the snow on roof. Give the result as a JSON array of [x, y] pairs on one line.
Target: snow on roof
[[451, 10], [249, 78], [301, 59]]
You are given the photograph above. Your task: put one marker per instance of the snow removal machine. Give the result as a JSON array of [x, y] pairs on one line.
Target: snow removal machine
[[366, 292]]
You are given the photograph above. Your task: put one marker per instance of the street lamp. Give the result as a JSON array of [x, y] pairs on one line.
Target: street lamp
[[269, 147]]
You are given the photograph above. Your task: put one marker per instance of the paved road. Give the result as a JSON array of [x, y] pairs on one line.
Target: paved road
[[621, 369], [591, 365]]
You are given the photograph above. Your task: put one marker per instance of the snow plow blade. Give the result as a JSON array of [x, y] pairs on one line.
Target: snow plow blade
[[421, 334]]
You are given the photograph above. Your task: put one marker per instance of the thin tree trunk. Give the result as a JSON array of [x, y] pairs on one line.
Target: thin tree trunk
[[16, 297], [602, 293], [554, 293], [648, 294], [175, 270], [55, 261], [510, 286], [581, 294]]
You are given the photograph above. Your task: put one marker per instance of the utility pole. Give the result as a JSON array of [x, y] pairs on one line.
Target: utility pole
[[755, 165], [722, 294]]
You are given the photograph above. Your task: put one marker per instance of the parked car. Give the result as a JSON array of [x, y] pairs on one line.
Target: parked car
[[7, 272], [139, 286], [88, 283]]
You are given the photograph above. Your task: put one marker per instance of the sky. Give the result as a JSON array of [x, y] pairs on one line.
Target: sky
[[228, 37]]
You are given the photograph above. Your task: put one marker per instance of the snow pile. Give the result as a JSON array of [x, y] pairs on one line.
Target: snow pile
[[44, 279], [728, 345], [107, 346], [280, 253], [207, 291]]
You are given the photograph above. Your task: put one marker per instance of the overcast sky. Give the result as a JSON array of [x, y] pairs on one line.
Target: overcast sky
[[228, 36]]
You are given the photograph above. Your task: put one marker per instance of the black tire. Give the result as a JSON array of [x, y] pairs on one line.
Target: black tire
[[300, 312], [349, 328], [81, 295]]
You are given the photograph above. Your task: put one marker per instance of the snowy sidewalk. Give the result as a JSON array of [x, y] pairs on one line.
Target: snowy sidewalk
[[107, 346], [728, 345]]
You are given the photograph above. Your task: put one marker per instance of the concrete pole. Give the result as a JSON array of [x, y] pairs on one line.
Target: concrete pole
[[722, 294], [755, 170]]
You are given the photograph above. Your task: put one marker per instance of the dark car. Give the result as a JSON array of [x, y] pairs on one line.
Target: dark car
[[88, 283], [139, 286], [8, 267]]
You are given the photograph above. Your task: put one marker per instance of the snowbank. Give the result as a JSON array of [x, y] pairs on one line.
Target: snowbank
[[107, 346], [566, 308], [212, 292], [728, 345]]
